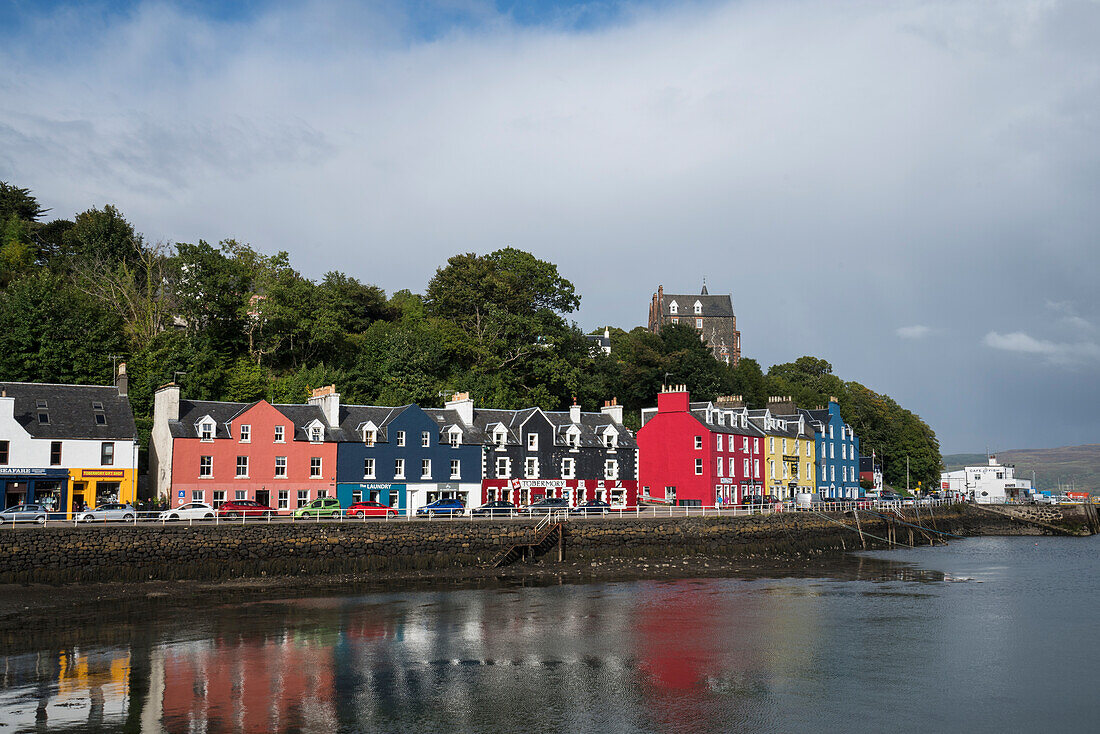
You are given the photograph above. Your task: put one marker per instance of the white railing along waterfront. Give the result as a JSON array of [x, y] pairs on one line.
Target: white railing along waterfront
[[163, 517]]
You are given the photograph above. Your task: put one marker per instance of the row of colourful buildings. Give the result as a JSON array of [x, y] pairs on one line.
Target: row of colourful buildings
[[71, 446]]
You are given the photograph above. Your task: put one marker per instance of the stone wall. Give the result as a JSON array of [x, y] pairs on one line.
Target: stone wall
[[207, 552]]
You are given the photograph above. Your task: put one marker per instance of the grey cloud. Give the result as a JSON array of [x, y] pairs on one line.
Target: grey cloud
[[916, 331], [1054, 352]]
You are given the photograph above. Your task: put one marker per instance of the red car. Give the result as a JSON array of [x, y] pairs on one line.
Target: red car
[[244, 508], [368, 508]]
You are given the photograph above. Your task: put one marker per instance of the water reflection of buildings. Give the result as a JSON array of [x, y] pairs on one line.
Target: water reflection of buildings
[[72, 689]]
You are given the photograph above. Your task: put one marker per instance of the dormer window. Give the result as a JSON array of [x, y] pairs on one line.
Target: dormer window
[[454, 438], [316, 434], [369, 436], [43, 418], [572, 439], [673, 308], [206, 431], [499, 438], [610, 440], [698, 309], [99, 415]]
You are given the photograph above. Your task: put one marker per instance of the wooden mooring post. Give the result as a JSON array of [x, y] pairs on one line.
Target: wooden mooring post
[[862, 540]]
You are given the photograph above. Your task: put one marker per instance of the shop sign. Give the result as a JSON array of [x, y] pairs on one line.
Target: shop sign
[[102, 474], [382, 485], [448, 486], [531, 483], [788, 459], [8, 472], [726, 480]]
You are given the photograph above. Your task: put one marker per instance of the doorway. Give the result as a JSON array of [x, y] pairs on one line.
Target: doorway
[[263, 496]]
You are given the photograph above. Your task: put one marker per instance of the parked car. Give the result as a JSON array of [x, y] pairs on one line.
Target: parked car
[[25, 513], [244, 508], [190, 511], [320, 507], [759, 499], [370, 508], [592, 507], [443, 507], [496, 508], [109, 512], [546, 505]]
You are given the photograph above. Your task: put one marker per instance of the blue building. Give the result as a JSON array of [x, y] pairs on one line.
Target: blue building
[[837, 452], [401, 456]]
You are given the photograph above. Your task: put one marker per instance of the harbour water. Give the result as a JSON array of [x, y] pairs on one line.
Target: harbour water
[[983, 635]]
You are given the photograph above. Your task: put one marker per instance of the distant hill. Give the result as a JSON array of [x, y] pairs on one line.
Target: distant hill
[[1077, 465]]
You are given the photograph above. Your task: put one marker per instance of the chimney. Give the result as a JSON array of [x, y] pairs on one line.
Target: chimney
[[166, 403], [575, 411], [7, 406], [613, 409], [673, 399], [328, 400], [122, 382], [463, 405], [781, 405], [729, 401]]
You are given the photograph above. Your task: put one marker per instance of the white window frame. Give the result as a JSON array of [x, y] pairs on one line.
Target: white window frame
[[368, 467], [504, 467], [284, 499], [316, 434], [316, 467], [425, 439], [240, 494], [719, 465], [568, 468], [400, 438], [280, 467], [531, 467], [246, 433], [398, 468], [698, 443], [532, 442], [425, 468], [206, 467], [303, 497], [718, 440], [698, 467], [280, 434], [207, 431], [611, 469], [456, 469], [242, 474]]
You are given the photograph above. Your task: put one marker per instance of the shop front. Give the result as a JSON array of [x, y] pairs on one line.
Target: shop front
[[520, 492], [47, 487], [94, 487], [425, 493], [389, 494]]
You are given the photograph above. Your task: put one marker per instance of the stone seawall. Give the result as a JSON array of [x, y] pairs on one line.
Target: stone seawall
[[210, 552]]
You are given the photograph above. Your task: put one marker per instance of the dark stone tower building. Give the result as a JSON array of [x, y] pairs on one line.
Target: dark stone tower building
[[711, 316]]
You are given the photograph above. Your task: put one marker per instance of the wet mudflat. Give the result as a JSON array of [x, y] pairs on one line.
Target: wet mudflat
[[987, 634]]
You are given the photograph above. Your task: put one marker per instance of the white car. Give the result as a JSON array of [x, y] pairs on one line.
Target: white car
[[25, 513], [190, 511]]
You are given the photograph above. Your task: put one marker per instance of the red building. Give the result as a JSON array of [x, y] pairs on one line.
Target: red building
[[282, 456], [698, 453]]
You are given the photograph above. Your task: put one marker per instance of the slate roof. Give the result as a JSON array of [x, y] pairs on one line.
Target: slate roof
[[70, 411], [712, 305], [192, 411], [513, 420]]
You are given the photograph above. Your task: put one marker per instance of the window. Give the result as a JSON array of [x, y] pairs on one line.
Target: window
[[531, 470], [206, 466], [832, 473], [699, 467], [455, 437], [284, 499], [242, 467], [44, 419], [568, 468], [572, 439], [698, 323], [322, 493], [246, 433], [771, 445], [745, 443], [398, 468], [718, 466], [206, 432], [368, 436], [844, 471], [698, 443], [425, 439], [280, 434], [219, 498], [303, 497], [745, 468], [3, 453], [55, 453], [832, 451], [755, 468], [240, 494], [315, 467], [107, 453], [502, 466], [532, 441], [609, 440], [756, 444], [718, 441], [197, 495], [698, 309], [100, 419], [368, 468], [675, 319], [280, 467], [674, 307], [611, 469], [425, 468], [771, 468], [499, 438], [316, 434], [784, 446], [456, 469], [400, 438], [41, 404], [733, 467], [670, 494]]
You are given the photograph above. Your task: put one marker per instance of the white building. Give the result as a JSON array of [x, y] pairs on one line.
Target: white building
[[990, 484]]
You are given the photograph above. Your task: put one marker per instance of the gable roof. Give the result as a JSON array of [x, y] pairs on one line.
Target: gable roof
[[223, 413], [70, 411], [712, 305]]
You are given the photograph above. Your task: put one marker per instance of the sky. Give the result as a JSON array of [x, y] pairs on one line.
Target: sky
[[906, 189]]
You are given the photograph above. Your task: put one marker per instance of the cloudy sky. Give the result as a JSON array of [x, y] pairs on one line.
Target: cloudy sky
[[910, 190]]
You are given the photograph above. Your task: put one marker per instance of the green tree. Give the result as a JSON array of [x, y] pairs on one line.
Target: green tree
[[247, 381], [102, 235], [17, 254], [19, 202]]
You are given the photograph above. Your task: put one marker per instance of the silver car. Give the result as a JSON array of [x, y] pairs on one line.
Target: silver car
[[25, 513], [190, 511], [108, 512]]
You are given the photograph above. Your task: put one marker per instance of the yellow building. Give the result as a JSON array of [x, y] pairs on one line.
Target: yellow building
[[789, 449]]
